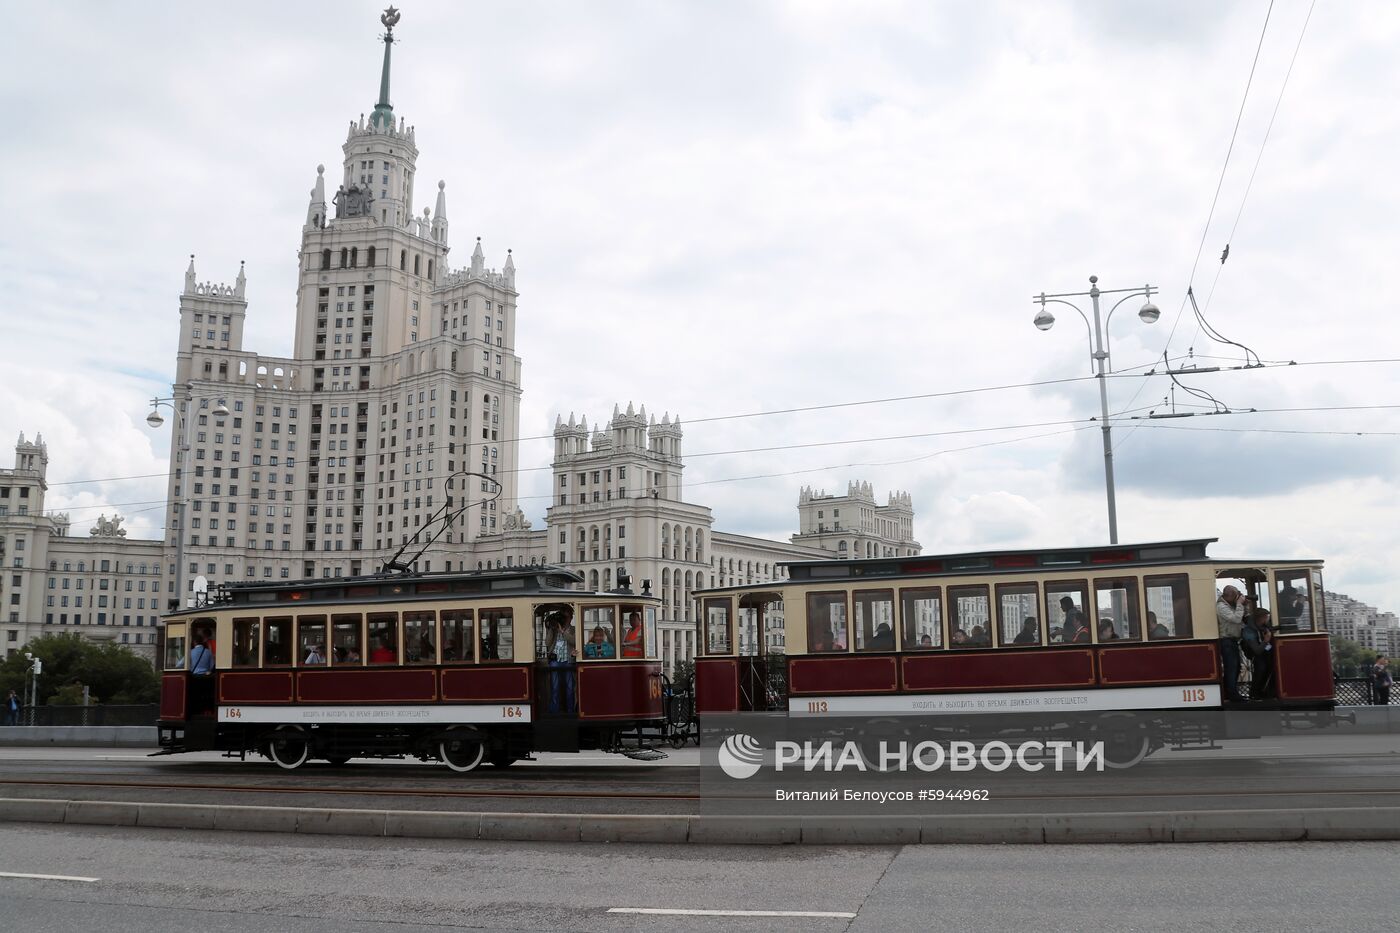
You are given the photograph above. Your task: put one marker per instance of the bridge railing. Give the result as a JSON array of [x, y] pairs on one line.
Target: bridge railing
[[95, 715]]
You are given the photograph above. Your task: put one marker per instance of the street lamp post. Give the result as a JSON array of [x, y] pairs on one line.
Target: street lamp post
[[155, 420], [1100, 360]]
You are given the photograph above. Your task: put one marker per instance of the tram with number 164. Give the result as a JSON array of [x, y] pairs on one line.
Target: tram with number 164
[[462, 668], [1096, 630]]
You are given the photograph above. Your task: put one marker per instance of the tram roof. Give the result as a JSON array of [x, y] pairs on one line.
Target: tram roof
[[1185, 551], [517, 581]]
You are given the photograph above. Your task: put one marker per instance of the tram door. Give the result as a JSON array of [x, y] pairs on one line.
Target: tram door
[[556, 676]]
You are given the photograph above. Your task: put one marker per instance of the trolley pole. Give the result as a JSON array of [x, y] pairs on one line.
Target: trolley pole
[[1100, 362]]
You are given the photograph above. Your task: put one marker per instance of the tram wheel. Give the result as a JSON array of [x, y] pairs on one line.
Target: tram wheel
[[288, 747], [1124, 745], [500, 758], [462, 750], [337, 760]]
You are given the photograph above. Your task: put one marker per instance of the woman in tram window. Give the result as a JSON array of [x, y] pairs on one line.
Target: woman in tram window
[[598, 645], [632, 637]]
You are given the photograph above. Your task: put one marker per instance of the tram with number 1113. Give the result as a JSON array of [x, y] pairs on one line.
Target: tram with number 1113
[[462, 668], [1098, 630]]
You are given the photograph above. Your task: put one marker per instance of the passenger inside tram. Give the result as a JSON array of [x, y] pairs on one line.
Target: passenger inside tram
[[978, 637], [598, 645], [958, 638], [1106, 632], [1029, 634], [883, 639], [1156, 629], [632, 637]]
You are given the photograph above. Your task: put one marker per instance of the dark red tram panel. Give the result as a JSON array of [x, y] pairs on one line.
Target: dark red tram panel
[[391, 685], [1304, 667], [172, 696], [1142, 665], [619, 691], [486, 685], [842, 674], [998, 670], [717, 685], [246, 688]]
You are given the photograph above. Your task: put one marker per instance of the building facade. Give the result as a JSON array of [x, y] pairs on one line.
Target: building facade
[[401, 400], [403, 378], [854, 525], [106, 587]]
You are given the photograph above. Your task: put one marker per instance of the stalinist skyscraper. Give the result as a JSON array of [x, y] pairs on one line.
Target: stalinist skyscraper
[[403, 374]]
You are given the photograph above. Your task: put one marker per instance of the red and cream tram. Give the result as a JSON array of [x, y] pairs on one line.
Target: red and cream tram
[[457, 667], [988, 632]]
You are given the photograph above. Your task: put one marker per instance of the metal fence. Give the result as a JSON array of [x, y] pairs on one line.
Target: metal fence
[[95, 715], [1358, 691]]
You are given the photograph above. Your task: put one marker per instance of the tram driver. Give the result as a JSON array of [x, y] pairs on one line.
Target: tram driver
[[632, 637]]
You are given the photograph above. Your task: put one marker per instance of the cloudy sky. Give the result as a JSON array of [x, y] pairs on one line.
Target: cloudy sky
[[719, 209]]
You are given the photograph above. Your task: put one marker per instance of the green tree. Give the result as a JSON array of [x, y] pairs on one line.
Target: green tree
[[110, 671], [1350, 659], [683, 676]]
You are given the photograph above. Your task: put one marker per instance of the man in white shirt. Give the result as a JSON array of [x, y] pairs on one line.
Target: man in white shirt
[[1230, 611]]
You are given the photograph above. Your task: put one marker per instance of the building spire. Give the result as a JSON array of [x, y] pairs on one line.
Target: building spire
[[383, 117]]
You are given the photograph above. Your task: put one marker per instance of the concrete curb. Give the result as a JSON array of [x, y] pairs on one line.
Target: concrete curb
[[1338, 824], [80, 736]]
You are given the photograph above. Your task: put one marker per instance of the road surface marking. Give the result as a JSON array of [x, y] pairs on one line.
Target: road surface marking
[[19, 874], [680, 912]]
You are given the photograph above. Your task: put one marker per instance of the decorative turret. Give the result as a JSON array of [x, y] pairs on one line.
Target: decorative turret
[[316, 210], [380, 156], [240, 284], [190, 280], [440, 214], [508, 270], [478, 259]]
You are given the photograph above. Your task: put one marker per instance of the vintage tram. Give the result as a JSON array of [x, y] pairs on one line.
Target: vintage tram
[[990, 632], [464, 668]]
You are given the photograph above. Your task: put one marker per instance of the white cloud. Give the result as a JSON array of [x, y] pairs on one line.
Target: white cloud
[[729, 207]]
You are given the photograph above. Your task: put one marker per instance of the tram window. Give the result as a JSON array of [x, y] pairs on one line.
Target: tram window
[[1067, 621], [634, 633], [718, 629], [1294, 601], [383, 637], [922, 610], [347, 640], [600, 633], [245, 642], [1321, 622], [1251, 581], [1116, 616], [175, 648], [420, 637], [311, 641], [969, 617], [277, 641], [653, 645], [1168, 606], [826, 622], [1018, 615], [497, 635], [874, 620], [551, 621], [458, 641]]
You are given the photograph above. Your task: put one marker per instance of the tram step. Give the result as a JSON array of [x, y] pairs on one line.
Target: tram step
[[644, 754]]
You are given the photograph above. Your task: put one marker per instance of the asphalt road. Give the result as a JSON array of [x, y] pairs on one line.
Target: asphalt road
[[1311, 770], [155, 881]]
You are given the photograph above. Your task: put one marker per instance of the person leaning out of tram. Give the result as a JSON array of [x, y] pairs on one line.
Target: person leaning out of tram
[[632, 637], [598, 645], [1230, 610], [559, 641], [1257, 643]]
